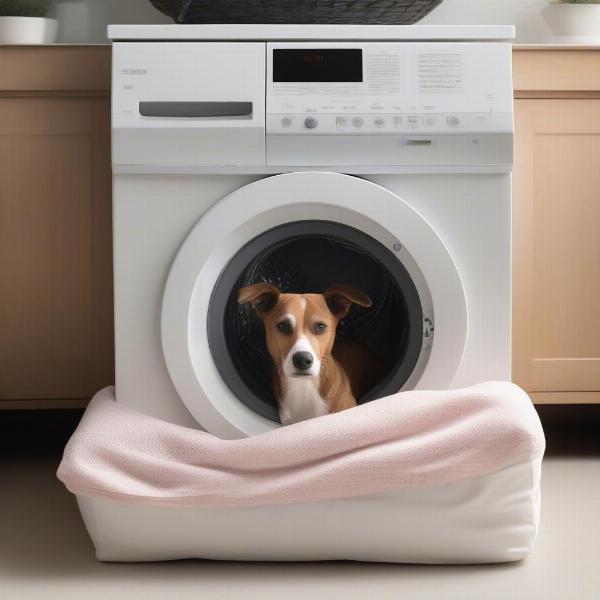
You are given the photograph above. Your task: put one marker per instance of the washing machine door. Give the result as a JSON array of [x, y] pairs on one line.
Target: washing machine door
[[304, 232]]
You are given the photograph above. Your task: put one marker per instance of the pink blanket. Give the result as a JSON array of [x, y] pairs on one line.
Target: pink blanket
[[412, 438]]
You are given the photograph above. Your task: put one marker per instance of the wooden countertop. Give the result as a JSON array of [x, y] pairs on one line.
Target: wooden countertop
[[520, 47]]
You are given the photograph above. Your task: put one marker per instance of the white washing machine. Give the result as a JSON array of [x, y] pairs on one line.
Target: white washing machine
[[378, 156]]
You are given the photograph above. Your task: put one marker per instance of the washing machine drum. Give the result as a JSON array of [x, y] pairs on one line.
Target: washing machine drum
[[310, 256], [304, 232]]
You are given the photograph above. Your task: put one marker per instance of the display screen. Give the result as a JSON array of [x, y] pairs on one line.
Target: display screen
[[314, 65]]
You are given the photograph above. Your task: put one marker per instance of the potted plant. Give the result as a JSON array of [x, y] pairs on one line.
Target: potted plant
[[25, 22], [574, 21]]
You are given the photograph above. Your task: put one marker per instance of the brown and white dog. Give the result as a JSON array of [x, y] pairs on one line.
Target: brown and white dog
[[312, 377]]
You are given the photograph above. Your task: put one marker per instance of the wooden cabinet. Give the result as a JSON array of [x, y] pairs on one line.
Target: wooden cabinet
[[556, 225], [56, 345]]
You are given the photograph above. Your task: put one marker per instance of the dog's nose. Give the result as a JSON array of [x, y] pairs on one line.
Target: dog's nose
[[302, 360]]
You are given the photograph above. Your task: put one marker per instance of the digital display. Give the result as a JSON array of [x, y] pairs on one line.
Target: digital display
[[302, 65]]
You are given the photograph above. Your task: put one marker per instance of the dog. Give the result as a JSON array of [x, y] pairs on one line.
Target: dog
[[312, 376]]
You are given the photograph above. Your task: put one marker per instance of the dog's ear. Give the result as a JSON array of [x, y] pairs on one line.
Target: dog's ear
[[340, 298], [262, 296]]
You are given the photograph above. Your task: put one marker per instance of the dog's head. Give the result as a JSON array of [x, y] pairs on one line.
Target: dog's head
[[300, 328]]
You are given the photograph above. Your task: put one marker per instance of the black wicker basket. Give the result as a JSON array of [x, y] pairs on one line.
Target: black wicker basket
[[389, 12]]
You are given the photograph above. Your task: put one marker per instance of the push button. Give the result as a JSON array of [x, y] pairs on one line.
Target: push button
[[357, 121], [310, 122], [413, 121], [286, 122]]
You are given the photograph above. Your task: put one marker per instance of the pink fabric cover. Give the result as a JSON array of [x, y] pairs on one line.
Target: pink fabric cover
[[414, 438]]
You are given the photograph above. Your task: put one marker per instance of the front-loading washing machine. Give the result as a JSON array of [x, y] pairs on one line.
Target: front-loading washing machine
[[373, 156], [377, 156]]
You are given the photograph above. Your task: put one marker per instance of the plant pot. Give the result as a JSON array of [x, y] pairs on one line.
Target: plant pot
[[81, 22], [27, 30], [574, 23]]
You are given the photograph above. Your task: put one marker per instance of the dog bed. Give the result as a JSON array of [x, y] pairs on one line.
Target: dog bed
[[432, 477]]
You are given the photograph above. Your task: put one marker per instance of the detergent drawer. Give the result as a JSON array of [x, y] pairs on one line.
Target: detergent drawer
[[192, 104]]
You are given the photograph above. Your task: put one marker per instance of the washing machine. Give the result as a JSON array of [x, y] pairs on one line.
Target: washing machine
[[376, 156]]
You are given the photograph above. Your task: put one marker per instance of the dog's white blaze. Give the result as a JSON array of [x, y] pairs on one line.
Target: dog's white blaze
[[300, 395], [301, 400], [302, 345]]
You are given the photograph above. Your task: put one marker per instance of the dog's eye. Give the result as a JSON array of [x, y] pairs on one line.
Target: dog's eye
[[319, 328], [284, 327]]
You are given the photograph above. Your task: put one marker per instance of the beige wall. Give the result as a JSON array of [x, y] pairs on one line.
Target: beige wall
[[134, 11], [526, 15]]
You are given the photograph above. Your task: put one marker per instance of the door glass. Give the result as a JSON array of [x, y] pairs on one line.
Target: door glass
[[309, 257]]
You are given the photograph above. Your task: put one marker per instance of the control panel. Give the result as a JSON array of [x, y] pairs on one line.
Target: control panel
[[341, 105], [369, 123], [346, 88]]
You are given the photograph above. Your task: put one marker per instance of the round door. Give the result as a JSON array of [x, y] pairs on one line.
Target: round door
[[304, 232]]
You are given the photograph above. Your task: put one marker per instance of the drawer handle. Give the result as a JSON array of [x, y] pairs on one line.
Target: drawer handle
[[195, 109], [417, 142]]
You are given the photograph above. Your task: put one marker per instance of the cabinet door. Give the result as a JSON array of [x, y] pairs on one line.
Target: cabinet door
[[556, 250], [55, 248]]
